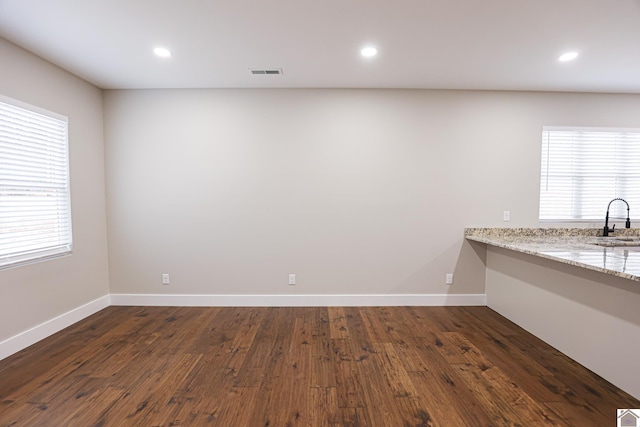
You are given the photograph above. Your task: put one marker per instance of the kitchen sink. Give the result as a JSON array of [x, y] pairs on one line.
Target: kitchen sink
[[622, 241]]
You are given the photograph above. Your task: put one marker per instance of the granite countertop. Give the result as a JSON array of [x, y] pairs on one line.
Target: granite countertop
[[618, 255]]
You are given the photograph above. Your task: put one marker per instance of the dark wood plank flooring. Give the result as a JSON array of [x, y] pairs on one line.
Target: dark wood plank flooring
[[346, 366]]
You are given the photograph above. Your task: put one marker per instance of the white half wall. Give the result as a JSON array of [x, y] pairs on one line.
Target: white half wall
[[34, 294], [591, 317]]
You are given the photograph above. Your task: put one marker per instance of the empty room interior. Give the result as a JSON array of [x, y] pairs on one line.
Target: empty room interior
[[236, 213]]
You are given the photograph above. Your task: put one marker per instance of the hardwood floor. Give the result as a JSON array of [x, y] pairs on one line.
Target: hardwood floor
[[235, 367]]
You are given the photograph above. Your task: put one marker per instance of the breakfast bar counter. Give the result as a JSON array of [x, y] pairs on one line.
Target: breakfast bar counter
[[572, 288], [618, 255]]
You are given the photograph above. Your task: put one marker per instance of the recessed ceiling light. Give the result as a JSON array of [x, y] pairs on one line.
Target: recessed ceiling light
[[569, 56], [369, 51], [162, 52]]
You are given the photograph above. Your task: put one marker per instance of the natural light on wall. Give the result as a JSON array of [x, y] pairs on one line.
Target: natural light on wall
[[35, 208], [583, 169]]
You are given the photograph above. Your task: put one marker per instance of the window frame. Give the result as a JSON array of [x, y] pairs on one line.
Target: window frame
[[618, 175], [61, 190]]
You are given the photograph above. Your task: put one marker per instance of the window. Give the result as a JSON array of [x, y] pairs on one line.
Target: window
[[583, 169], [35, 208]]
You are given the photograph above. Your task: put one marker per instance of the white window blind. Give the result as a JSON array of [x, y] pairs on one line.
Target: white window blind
[[583, 169], [35, 208]]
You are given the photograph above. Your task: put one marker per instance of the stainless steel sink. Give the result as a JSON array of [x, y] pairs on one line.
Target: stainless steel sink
[[628, 239], [622, 241]]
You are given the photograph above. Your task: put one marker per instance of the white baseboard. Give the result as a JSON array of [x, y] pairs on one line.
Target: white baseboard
[[25, 339], [298, 300]]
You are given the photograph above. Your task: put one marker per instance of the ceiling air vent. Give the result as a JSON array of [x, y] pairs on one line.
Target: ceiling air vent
[[266, 71]]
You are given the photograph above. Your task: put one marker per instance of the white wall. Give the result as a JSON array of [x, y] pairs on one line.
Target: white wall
[[590, 316], [33, 294], [355, 191]]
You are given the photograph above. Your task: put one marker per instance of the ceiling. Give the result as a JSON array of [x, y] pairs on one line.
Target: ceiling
[[436, 44]]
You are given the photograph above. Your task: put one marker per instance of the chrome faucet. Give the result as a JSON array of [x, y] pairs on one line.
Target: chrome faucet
[[608, 230]]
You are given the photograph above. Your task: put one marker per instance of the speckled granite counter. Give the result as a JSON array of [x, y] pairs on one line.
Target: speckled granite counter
[[581, 247]]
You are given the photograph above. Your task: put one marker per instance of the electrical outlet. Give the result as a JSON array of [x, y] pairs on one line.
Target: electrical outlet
[[292, 279], [506, 216], [448, 279], [165, 279]]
